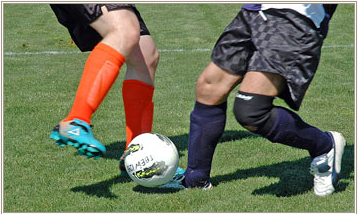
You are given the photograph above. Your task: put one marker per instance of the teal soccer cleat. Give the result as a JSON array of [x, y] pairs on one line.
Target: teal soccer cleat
[[178, 183], [77, 133]]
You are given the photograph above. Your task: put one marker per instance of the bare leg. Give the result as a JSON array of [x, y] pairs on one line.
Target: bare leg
[[138, 88], [119, 29], [143, 61], [215, 84]]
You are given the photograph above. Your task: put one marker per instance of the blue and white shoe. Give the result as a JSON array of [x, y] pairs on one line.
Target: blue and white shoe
[[326, 168], [180, 171], [178, 179], [176, 182], [77, 133]]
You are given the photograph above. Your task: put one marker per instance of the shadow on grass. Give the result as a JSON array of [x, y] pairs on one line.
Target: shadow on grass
[[102, 189], [293, 176]]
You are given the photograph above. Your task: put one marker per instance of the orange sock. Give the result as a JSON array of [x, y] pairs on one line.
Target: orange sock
[[100, 72], [138, 107]]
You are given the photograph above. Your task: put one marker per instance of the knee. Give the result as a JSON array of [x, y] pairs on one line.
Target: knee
[[209, 92], [121, 36], [129, 38], [203, 83], [123, 39], [213, 86], [252, 111]]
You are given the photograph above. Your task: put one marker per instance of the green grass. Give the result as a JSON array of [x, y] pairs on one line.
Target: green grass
[[250, 174]]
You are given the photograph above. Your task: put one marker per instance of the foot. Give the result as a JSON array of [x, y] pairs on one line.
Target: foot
[[178, 182], [122, 167], [326, 168], [77, 133], [175, 183]]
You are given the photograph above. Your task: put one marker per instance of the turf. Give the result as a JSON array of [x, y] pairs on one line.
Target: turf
[[249, 173]]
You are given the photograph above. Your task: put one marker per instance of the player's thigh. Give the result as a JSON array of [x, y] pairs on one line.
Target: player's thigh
[[123, 21], [215, 84], [264, 83]]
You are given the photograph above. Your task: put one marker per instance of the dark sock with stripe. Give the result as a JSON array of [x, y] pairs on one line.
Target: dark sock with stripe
[[207, 124]]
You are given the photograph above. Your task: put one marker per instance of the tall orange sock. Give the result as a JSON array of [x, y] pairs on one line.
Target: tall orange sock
[[138, 107], [100, 72]]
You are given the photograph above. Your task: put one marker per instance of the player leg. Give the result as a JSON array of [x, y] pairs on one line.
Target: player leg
[[120, 32], [207, 123], [208, 118], [254, 110], [138, 89], [254, 107]]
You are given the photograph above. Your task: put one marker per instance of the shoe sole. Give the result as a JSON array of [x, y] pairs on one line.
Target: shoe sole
[[83, 149], [339, 144]]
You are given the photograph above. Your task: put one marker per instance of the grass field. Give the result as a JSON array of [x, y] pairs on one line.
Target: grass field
[[249, 173]]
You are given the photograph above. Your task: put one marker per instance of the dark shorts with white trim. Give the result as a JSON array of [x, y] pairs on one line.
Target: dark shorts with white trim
[[77, 17], [287, 43]]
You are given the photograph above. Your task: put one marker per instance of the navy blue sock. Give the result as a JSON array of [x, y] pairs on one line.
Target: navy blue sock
[[207, 124], [290, 129]]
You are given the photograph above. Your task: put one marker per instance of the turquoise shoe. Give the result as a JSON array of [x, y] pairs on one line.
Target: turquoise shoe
[[77, 133]]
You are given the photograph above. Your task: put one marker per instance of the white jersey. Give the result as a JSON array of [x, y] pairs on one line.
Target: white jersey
[[313, 11]]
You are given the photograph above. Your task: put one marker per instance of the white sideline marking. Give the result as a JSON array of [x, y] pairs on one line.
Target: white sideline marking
[[77, 52], [162, 50], [43, 52], [185, 50], [338, 46]]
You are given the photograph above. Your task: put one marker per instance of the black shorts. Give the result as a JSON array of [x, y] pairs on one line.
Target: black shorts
[[77, 17], [288, 44]]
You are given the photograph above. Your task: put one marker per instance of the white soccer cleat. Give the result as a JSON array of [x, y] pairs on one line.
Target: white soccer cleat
[[325, 168]]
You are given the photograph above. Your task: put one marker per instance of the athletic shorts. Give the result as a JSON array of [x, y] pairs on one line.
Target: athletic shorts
[[287, 43], [77, 17]]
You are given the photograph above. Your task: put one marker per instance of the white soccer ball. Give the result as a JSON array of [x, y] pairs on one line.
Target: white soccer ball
[[151, 159]]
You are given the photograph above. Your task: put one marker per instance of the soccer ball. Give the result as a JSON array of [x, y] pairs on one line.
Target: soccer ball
[[151, 159]]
